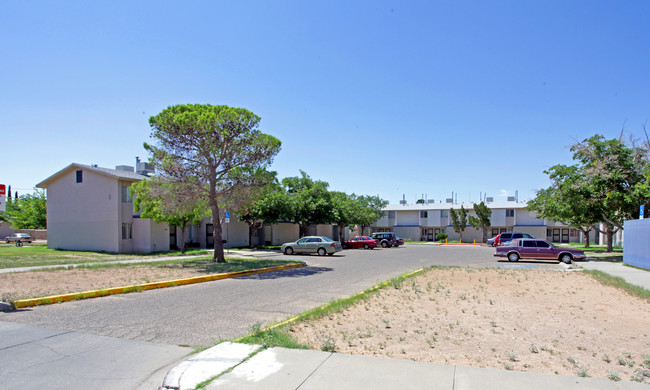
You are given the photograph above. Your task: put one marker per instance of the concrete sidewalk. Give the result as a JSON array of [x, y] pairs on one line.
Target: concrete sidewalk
[[281, 368]]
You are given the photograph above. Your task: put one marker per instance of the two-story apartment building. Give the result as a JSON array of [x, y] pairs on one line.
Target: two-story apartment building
[[422, 222]]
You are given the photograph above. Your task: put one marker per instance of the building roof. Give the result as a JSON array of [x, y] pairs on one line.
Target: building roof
[[114, 173], [456, 206]]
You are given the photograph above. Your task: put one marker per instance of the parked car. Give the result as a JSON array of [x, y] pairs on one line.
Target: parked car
[[364, 242], [505, 238], [312, 244], [387, 239], [19, 237], [526, 248]]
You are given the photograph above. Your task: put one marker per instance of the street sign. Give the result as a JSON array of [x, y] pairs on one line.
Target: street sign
[[227, 216], [641, 211]]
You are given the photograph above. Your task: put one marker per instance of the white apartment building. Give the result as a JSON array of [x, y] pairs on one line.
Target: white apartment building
[[422, 222]]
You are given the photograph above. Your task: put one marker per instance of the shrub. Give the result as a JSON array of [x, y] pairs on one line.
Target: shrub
[[441, 236]]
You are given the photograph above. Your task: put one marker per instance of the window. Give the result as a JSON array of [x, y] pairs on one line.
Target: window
[[529, 244], [79, 176], [391, 214], [127, 229], [424, 214], [126, 198], [542, 244], [444, 213], [510, 212]]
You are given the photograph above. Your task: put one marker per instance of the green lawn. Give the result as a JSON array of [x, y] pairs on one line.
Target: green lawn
[[593, 248], [29, 255]]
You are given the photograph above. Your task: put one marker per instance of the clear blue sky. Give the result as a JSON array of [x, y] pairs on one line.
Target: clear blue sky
[[374, 97]]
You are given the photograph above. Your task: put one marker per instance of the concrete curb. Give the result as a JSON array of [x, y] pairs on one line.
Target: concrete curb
[[146, 286]]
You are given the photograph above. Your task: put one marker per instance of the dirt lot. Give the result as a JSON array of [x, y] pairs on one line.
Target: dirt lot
[[43, 283], [542, 321]]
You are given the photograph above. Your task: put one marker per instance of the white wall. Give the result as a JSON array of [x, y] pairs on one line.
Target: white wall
[[149, 236], [498, 217], [83, 216], [411, 218], [325, 230], [525, 217], [284, 232]]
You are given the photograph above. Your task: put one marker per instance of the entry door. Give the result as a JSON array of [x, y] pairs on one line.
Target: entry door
[[172, 238], [209, 240]]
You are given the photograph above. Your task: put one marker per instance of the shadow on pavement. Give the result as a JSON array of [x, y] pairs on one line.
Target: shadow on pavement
[[289, 273]]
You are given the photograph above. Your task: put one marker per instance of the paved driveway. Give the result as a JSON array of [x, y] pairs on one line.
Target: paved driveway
[[202, 314]]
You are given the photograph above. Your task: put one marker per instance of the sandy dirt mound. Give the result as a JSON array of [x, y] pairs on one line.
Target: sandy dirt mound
[[541, 321]]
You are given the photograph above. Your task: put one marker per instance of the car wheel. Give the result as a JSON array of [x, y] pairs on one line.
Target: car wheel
[[513, 256], [366, 246], [384, 244], [288, 250], [566, 258], [321, 251]]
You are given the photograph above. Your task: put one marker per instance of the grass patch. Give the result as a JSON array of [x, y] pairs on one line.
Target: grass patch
[[615, 281], [592, 248], [32, 255]]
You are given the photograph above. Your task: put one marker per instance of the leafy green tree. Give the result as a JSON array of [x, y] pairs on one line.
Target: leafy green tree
[[307, 202], [166, 200], [482, 219], [210, 142], [27, 211], [248, 203], [353, 210], [568, 200], [459, 220], [613, 171]]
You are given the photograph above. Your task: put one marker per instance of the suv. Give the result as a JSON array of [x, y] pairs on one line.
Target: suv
[[505, 238], [387, 239]]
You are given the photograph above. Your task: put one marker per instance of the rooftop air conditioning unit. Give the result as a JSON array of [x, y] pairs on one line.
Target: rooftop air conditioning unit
[[431, 201], [144, 168], [511, 199], [403, 202], [489, 199], [449, 200]]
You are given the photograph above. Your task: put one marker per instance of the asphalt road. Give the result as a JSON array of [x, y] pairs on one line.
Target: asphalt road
[[202, 314]]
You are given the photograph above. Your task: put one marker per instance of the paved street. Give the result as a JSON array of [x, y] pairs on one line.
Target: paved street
[[202, 314]]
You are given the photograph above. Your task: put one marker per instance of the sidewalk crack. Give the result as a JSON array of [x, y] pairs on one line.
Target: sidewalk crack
[[315, 369]]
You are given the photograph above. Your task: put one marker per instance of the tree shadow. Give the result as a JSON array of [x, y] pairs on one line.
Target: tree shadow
[[288, 273]]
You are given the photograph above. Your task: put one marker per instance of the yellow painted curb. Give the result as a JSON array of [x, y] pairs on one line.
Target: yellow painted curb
[[146, 286]]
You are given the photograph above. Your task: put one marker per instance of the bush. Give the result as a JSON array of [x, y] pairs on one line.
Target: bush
[[441, 236]]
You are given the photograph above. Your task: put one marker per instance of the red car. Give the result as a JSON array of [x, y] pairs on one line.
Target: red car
[[360, 242]]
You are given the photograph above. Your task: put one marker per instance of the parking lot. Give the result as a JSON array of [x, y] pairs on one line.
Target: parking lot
[[201, 314]]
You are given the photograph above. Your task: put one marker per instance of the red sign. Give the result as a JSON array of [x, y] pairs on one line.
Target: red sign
[[3, 189]]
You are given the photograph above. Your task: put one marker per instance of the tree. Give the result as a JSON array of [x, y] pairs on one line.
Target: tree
[[459, 220], [247, 203], [27, 212], [568, 200], [307, 202], [482, 219], [613, 171], [210, 142], [172, 201]]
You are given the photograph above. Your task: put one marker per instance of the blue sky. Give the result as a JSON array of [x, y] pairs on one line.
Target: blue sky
[[374, 97]]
